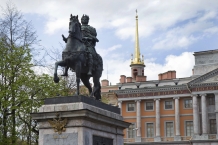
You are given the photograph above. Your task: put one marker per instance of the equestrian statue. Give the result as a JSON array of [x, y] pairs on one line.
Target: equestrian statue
[[80, 55]]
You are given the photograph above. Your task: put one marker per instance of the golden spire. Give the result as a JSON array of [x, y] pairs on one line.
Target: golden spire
[[137, 59]]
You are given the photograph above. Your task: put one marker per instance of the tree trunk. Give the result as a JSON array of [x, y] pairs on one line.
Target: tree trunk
[[5, 129]]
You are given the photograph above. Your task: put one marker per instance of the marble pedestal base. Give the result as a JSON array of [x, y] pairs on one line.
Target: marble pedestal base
[[157, 139], [138, 139], [86, 125], [177, 138], [201, 137]]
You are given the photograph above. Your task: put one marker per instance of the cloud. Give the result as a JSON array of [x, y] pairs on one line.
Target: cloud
[[113, 68], [153, 14], [182, 64], [105, 52], [39, 70], [177, 24], [186, 34]]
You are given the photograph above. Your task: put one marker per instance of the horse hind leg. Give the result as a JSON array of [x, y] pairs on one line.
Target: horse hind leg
[[96, 89], [78, 71], [85, 79], [97, 93]]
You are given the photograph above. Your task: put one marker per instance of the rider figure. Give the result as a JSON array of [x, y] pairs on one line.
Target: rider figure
[[89, 38]]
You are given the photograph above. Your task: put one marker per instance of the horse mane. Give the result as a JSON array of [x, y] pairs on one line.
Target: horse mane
[[79, 24], [71, 16]]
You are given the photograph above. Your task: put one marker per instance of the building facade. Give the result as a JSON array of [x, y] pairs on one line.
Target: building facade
[[169, 109]]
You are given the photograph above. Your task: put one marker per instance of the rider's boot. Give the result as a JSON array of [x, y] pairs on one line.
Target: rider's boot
[[90, 64], [65, 71]]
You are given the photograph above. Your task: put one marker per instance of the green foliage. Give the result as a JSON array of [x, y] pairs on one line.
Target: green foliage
[[21, 92], [104, 99]]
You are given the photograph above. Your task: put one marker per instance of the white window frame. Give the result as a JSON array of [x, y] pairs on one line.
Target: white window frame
[[185, 126], [210, 125], [127, 106], [146, 131], [165, 127], [134, 131], [184, 103], [172, 104], [149, 102], [212, 100]]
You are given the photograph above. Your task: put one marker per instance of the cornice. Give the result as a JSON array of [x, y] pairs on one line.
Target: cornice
[[204, 84], [156, 89], [204, 77]]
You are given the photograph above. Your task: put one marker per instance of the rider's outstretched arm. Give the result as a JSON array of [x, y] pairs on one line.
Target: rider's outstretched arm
[[64, 38]]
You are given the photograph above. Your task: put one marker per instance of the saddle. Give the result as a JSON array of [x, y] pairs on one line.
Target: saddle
[[97, 60]]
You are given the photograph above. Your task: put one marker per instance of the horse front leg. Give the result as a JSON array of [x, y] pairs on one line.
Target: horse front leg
[[58, 63], [78, 72]]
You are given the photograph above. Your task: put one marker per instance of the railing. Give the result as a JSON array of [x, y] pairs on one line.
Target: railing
[[145, 139], [167, 138], [184, 138], [211, 136], [129, 140]]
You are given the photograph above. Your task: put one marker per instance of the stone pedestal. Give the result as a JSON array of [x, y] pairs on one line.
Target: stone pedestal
[[177, 138], [157, 139], [88, 122], [138, 139]]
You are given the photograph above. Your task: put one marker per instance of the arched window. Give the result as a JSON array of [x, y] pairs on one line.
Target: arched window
[[135, 73]]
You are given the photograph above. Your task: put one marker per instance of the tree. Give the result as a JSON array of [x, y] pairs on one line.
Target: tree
[[21, 90], [16, 31], [17, 34]]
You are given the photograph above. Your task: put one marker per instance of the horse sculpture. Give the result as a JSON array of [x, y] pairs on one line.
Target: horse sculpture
[[74, 56]]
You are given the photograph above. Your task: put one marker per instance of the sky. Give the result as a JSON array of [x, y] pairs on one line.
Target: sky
[[169, 31]]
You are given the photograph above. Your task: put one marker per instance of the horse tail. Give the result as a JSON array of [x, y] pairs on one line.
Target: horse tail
[[100, 60]]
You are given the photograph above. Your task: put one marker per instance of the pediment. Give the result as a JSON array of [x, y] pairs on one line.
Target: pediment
[[211, 80], [209, 77]]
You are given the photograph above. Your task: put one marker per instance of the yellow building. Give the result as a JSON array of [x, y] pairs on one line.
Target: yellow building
[[170, 109]]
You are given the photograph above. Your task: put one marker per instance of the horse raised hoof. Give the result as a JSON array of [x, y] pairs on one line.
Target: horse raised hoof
[[56, 79]]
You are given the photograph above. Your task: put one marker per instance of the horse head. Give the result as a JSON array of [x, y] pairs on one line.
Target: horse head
[[74, 25]]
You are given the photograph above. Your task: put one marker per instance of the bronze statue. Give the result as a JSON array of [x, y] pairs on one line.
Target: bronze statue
[[89, 39], [79, 52]]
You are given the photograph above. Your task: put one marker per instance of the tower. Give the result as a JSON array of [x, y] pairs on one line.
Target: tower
[[137, 62]]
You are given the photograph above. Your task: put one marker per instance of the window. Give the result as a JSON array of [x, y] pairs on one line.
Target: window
[[211, 100], [131, 131], [213, 129], [149, 106], [188, 103], [150, 129], [131, 106], [189, 128], [169, 129], [168, 104]]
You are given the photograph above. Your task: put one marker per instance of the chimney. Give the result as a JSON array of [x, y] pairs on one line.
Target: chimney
[[141, 78], [167, 75], [105, 82], [129, 79], [122, 79]]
